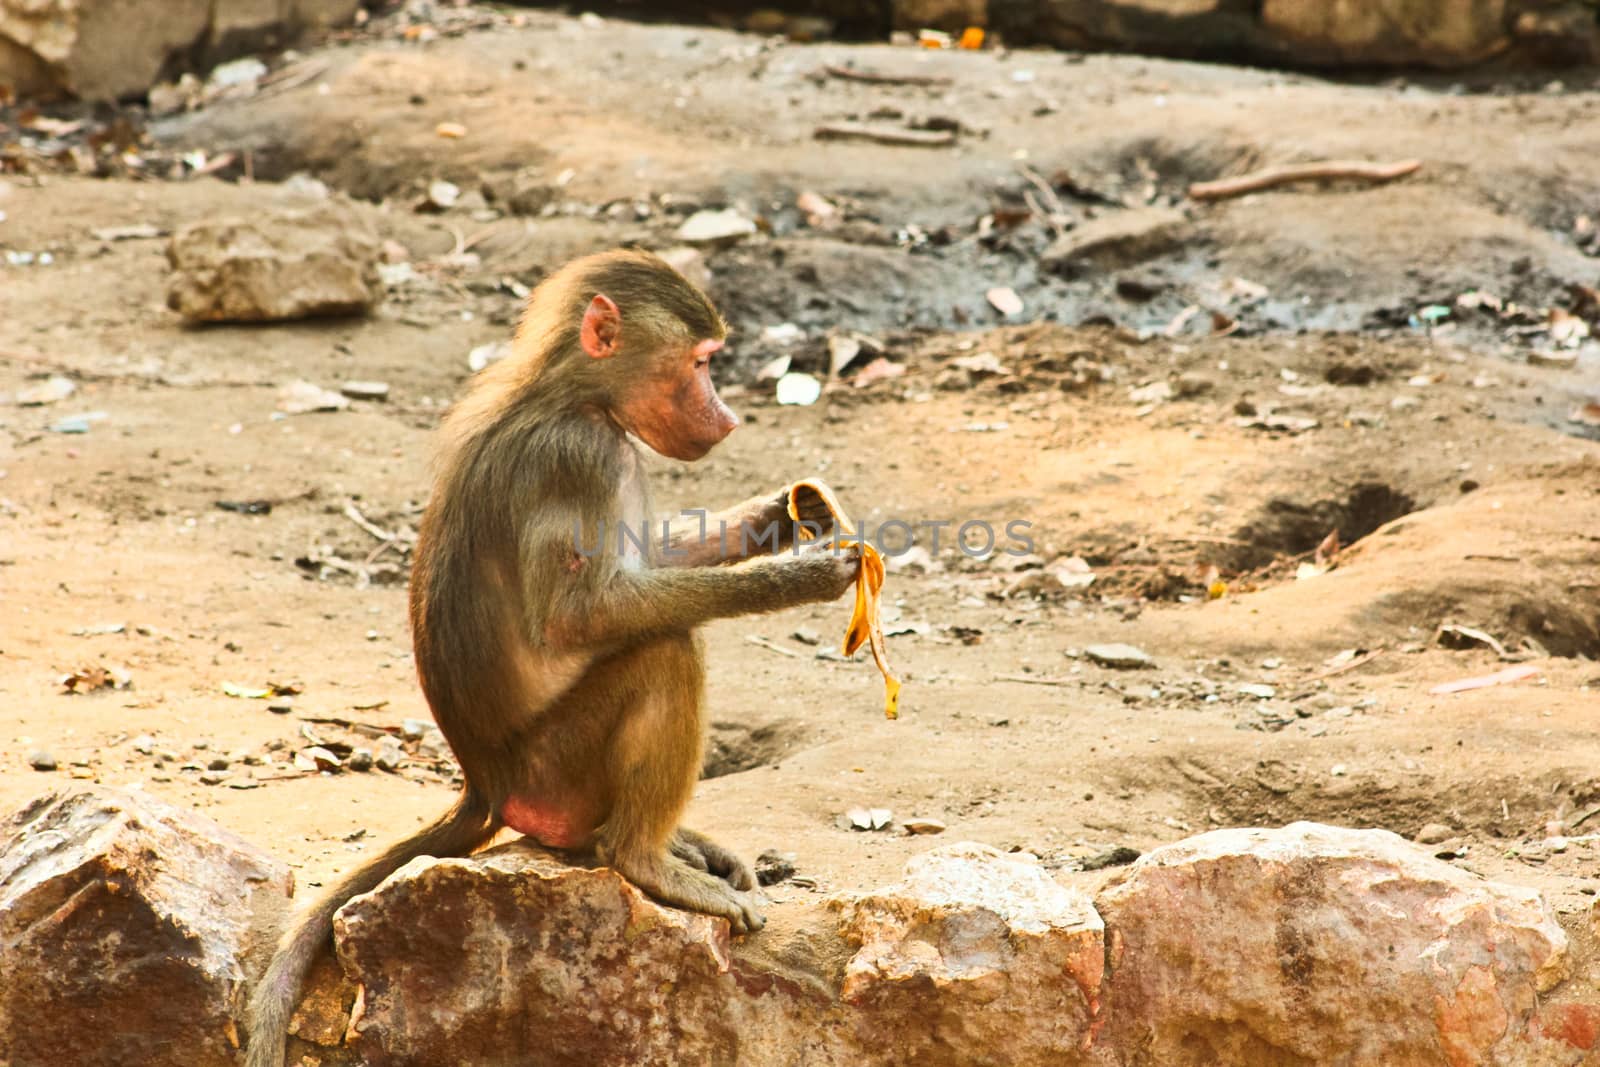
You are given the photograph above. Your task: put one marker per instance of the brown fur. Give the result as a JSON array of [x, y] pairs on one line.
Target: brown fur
[[569, 687]]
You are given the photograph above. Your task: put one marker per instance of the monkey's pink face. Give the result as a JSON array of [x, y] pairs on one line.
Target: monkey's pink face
[[676, 411]]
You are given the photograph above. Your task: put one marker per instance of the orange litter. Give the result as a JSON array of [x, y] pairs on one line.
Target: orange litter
[[971, 38], [865, 623]]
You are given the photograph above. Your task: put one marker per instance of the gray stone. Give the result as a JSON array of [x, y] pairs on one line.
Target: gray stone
[[1118, 656], [715, 227]]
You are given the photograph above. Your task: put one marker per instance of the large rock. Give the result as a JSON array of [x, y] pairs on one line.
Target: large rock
[[290, 265], [977, 956], [122, 924], [1310, 33], [105, 49], [1313, 944], [519, 951], [1442, 33]]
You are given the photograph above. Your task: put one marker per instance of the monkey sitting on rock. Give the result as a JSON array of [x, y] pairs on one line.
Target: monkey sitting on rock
[[559, 659]]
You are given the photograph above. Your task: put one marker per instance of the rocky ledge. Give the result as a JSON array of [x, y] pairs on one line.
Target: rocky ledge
[[128, 930]]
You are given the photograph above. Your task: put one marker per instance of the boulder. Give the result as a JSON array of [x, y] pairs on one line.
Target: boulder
[[976, 956], [1313, 944], [106, 49], [1118, 240], [520, 951], [1437, 33], [288, 265], [122, 926]]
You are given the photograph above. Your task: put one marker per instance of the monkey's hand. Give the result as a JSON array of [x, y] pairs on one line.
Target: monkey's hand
[[830, 570]]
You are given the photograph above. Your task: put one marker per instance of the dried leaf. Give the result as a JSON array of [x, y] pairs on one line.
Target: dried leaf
[[89, 679]]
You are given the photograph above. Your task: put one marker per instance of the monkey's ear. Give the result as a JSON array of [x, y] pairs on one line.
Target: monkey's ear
[[602, 327]]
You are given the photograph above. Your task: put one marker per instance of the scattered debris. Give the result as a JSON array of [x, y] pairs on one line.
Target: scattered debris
[[770, 646], [89, 679], [141, 231], [262, 692], [50, 391], [1274, 423], [890, 135], [484, 355], [75, 424], [773, 867], [301, 397], [879, 370], [1117, 856], [716, 227], [842, 351], [818, 209], [358, 390], [1005, 300], [869, 818], [1459, 637], [1271, 177], [923, 826], [1505, 677], [880, 78], [1119, 657], [798, 388], [246, 507], [101, 630], [390, 755]]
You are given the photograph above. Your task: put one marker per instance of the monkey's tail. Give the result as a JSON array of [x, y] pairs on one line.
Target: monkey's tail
[[463, 828]]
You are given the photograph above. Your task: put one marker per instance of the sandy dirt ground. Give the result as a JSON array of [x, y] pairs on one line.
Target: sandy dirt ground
[[1462, 490]]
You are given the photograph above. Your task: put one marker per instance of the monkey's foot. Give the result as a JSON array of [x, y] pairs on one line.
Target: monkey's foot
[[671, 880], [704, 854]]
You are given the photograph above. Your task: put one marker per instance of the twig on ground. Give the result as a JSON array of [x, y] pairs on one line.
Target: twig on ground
[[1329, 170], [855, 131]]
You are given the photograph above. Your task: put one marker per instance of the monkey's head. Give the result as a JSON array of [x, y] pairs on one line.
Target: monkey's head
[[649, 335]]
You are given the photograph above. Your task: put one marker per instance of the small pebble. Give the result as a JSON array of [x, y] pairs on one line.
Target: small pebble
[[1119, 657], [1120, 856], [806, 636], [42, 761], [214, 777], [390, 755], [360, 759], [923, 826], [1434, 833], [217, 763]]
